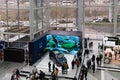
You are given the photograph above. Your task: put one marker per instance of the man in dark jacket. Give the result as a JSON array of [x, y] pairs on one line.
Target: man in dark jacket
[[93, 58], [49, 66], [88, 63]]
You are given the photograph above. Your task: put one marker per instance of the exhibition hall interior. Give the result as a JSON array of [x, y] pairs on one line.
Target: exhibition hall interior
[[59, 39]]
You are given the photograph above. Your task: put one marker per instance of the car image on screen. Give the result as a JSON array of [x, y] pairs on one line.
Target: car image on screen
[[57, 57]]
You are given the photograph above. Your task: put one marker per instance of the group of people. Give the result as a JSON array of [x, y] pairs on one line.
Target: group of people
[[15, 74], [51, 66], [36, 75], [53, 69], [76, 61], [90, 64], [83, 73], [54, 74], [65, 68]]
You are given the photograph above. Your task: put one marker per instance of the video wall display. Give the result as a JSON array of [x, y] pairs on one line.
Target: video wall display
[[62, 43], [111, 50]]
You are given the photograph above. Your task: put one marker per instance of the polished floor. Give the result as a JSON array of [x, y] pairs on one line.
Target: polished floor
[[6, 68]]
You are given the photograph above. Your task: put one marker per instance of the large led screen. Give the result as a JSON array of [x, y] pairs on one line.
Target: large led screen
[[64, 44]]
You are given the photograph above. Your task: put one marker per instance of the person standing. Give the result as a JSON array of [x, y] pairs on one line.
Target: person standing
[[85, 73], [99, 47], [49, 66], [56, 71], [34, 72], [75, 57], [115, 53], [93, 58], [87, 53], [66, 67], [41, 75], [80, 59], [27, 56], [93, 67], [74, 78], [63, 68], [1, 55], [73, 64], [12, 77], [53, 75], [77, 63], [119, 53], [53, 66], [88, 64], [82, 72], [17, 74], [98, 60]]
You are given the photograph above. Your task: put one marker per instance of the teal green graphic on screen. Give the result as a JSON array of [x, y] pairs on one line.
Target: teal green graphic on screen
[[65, 44]]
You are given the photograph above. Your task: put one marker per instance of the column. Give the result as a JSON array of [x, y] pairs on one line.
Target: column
[[80, 18], [111, 9], [31, 18], [115, 17]]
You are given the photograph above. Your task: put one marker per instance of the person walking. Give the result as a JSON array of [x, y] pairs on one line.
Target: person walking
[[49, 66], [63, 68]]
